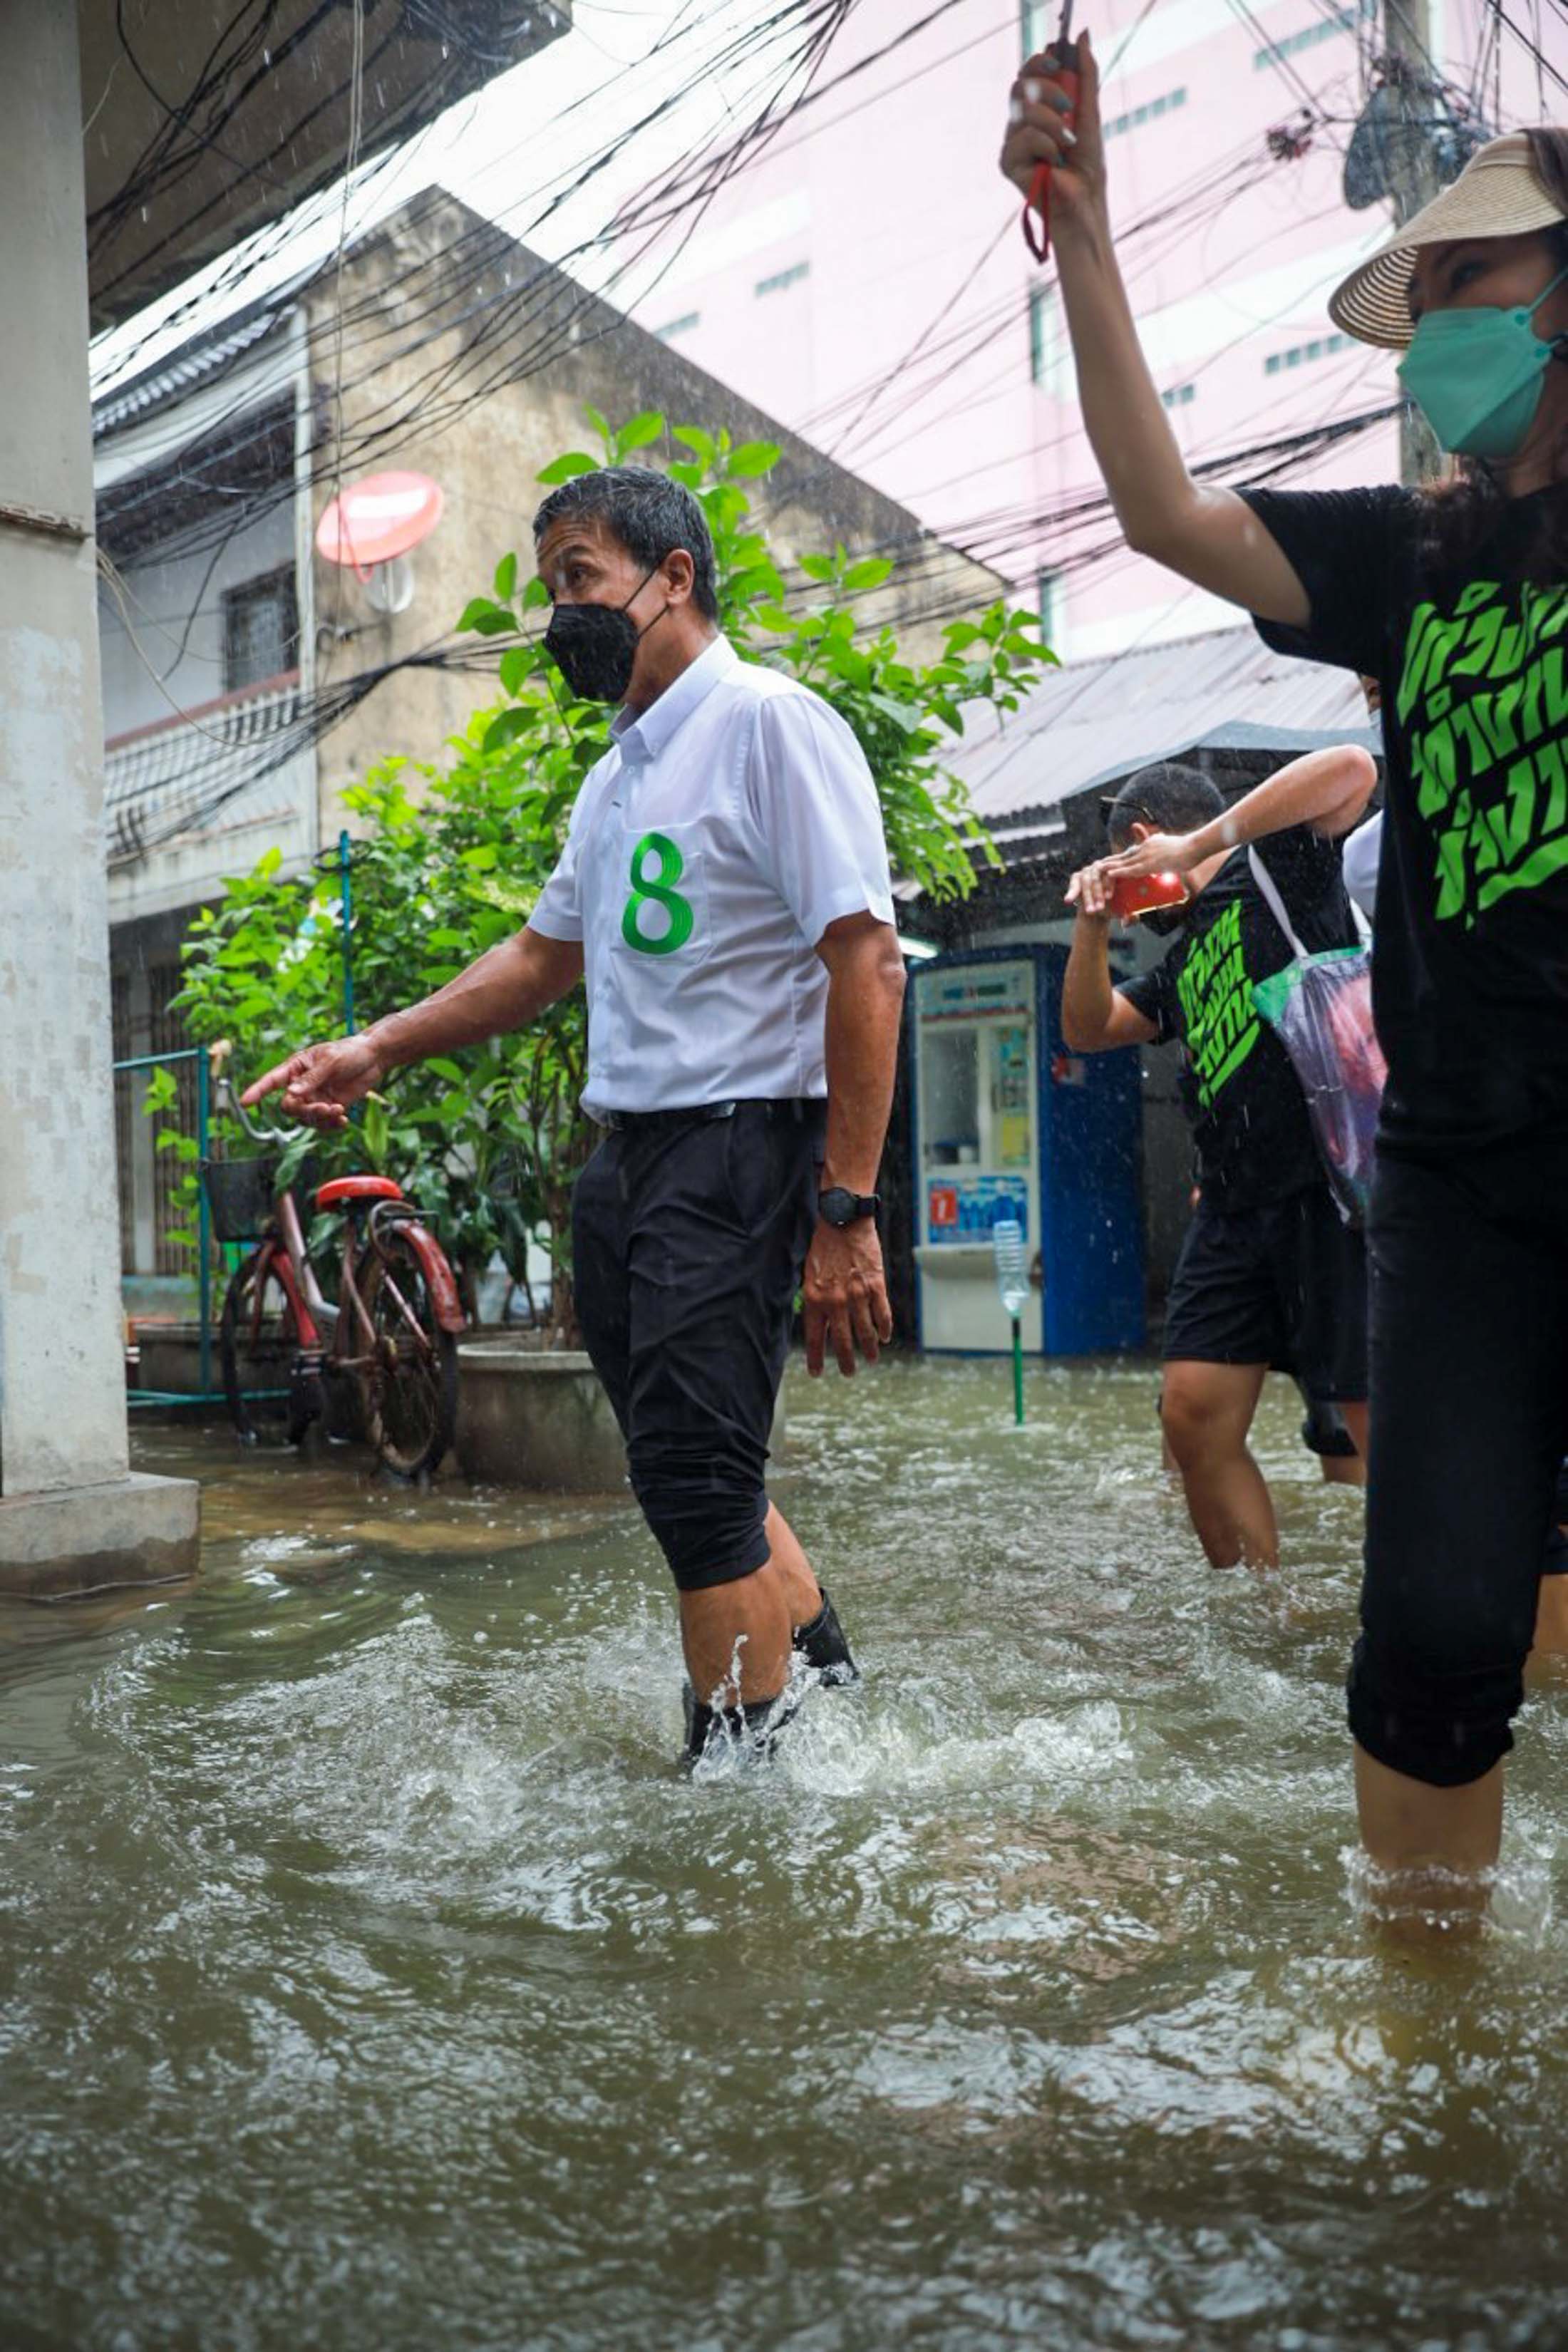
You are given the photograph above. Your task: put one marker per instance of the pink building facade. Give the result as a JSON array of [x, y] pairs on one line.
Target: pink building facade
[[868, 281]]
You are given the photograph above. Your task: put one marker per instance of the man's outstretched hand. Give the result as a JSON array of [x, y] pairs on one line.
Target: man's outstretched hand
[[319, 1084]]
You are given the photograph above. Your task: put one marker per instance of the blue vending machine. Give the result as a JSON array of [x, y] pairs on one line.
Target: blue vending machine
[[1009, 1123]]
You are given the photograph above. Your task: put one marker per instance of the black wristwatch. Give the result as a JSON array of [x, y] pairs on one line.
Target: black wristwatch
[[838, 1206]]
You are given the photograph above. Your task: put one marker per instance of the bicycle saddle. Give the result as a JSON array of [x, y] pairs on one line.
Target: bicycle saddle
[[357, 1188]]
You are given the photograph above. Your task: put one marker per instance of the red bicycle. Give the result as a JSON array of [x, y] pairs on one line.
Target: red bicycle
[[381, 1361]]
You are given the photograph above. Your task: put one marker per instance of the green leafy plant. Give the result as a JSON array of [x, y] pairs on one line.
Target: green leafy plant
[[448, 859], [451, 853], [160, 1100]]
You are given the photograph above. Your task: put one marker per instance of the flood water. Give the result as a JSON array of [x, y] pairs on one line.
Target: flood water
[[369, 1978]]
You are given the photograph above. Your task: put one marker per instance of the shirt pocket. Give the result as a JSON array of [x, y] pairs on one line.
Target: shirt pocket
[[660, 905]]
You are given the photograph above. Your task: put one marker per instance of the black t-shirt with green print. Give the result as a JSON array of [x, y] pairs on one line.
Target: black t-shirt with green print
[[1243, 1100], [1471, 941]]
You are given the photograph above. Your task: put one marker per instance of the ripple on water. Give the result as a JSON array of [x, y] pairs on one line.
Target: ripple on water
[[363, 1951]]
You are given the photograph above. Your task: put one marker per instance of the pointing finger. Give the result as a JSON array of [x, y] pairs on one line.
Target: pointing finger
[[266, 1085]]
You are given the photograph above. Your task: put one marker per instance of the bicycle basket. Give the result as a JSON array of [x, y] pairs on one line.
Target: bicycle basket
[[240, 1195]]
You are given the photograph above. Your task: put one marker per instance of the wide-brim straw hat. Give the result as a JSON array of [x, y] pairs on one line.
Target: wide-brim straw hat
[[1496, 194]]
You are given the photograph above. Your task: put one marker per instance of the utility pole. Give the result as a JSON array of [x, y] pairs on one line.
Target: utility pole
[[1414, 175]]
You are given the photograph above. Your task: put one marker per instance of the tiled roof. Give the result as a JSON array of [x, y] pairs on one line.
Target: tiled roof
[[205, 355]]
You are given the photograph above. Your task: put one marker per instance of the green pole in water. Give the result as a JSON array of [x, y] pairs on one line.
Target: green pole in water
[[1013, 1282]]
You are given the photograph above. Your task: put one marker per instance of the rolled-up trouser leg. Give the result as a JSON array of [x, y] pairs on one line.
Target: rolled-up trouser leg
[[1469, 1413]]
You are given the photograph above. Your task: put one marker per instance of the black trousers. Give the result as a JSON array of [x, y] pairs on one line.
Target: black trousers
[[689, 1242], [1468, 1265]]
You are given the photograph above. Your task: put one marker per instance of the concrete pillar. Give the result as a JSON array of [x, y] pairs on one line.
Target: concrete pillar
[[71, 1515]]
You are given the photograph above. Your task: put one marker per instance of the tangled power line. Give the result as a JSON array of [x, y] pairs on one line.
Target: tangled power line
[[442, 333]]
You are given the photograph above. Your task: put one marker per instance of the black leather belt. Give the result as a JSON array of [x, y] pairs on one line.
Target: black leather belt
[[795, 1107]]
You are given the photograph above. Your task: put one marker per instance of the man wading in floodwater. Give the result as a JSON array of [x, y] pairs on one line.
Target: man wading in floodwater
[[724, 892]]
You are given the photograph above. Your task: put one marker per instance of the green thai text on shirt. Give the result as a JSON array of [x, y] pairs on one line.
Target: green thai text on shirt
[[1484, 702], [1217, 1005]]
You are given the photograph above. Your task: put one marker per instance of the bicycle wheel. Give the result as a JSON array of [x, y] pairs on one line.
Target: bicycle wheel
[[258, 1341], [411, 1385]]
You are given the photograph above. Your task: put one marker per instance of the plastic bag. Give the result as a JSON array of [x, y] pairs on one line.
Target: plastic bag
[[1320, 1008]]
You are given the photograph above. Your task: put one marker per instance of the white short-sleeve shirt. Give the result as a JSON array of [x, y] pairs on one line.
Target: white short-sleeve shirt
[[1361, 854], [709, 851]]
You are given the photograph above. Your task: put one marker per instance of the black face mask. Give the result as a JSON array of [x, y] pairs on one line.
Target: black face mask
[[594, 646], [1163, 921]]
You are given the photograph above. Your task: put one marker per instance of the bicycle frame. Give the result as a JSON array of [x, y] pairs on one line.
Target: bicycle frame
[[287, 1260], [286, 1257]]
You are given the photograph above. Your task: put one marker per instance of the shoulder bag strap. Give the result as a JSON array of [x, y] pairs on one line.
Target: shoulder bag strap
[[1272, 899]]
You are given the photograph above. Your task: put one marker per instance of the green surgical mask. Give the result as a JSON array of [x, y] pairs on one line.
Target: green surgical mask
[[1477, 375]]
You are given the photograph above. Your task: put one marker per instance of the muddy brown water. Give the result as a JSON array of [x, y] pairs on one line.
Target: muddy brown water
[[368, 1976]]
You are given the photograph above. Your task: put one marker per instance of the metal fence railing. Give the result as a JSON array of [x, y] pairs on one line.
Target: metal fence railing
[[204, 1391]]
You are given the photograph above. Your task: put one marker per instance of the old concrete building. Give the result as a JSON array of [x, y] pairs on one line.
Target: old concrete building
[[118, 174], [442, 347]]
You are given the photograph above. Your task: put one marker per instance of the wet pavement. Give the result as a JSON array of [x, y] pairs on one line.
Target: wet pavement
[[370, 1976]]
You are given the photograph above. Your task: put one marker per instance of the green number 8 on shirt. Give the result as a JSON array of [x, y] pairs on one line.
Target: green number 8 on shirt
[[657, 920]]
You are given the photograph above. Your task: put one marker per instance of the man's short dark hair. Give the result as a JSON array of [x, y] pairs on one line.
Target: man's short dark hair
[[649, 514], [1168, 796]]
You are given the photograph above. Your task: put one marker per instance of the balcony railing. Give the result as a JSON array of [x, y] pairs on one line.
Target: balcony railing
[[213, 768]]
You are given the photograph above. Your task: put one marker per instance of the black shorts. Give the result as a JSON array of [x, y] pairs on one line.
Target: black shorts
[[1282, 1285], [1469, 1424], [1323, 1432], [689, 1241]]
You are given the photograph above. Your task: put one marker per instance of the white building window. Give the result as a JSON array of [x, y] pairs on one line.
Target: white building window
[[261, 630], [783, 278], [1339, 20], [1051, 601], [1050, 353], [1136, 116], [681, 326], [1040, 335], [1179, 395], [1321, 347]]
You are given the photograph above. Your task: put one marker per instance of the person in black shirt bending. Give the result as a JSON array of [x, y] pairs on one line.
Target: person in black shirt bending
[[1454, 598], [1269, 1274]]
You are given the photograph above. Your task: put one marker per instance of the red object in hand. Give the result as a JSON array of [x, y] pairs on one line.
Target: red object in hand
[[1132, 895], [1038, 201]]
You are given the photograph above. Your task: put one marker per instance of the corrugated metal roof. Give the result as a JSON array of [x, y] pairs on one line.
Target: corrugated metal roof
[[1091, 721]]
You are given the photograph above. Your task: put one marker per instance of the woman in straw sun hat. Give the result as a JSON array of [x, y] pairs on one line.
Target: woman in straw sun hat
[[1454, 598]]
